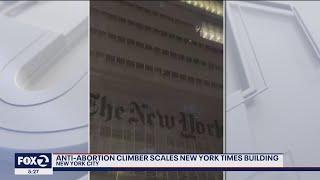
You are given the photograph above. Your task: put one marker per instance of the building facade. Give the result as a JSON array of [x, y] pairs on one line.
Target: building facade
[[156, 81]]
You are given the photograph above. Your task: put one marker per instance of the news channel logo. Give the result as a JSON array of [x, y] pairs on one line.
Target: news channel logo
[[33, 160]]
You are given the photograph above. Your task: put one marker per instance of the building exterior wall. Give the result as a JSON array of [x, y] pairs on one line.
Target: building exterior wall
[[156, 85]]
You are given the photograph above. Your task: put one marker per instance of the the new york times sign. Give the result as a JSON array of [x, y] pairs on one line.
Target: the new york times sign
[[142, 114]]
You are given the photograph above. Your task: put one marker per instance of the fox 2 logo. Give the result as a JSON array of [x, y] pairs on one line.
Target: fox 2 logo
[[33, 160]]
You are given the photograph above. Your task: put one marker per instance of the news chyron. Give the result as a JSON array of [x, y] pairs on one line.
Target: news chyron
[[33, 164]]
